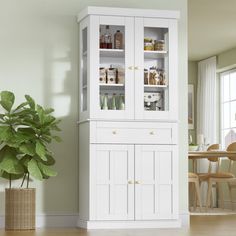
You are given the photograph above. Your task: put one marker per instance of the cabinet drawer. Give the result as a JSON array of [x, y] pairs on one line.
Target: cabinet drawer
[[136, 134]]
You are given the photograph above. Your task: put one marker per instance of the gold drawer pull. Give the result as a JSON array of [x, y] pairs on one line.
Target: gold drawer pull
[[130, 67], [136, 68], [137, 182], [114, 132], [152, 133], [130, 182]]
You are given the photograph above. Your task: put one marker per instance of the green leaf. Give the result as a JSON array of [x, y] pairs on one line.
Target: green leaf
[[6, 175], [7, 100], [46, 170], [49, 110], [21, 106], [10, 163], [30, 101], [57, 138], [41, 151], [41, 114], [50, 161], [28, 149], [34, 170], [5, 133]]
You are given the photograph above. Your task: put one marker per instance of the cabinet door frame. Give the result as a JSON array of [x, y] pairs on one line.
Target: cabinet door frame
[[157, 183], [111, 182], [96, 112], [172, 112]]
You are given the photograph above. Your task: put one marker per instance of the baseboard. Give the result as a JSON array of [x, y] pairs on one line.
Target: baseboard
[[129, 224], [185, 219], [51, 220]]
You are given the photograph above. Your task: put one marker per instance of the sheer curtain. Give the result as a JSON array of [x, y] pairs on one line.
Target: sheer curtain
[[206, 110], [206, 99]]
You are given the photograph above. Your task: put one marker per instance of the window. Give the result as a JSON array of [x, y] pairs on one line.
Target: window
[[228, 107]]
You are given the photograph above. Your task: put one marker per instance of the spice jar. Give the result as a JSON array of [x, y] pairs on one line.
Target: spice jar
[[159, 45], [148, 44], [145, 76], [153, 76], [111, 75], [102, 75]]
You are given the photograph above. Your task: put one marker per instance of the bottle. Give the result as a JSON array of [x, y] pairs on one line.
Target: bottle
[[107, 38], [121, 102], [118, 40], [102, 40], [113, 102], [105, 102]]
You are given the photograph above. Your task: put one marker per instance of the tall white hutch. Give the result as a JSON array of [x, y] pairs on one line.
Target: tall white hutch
[[128, 147]]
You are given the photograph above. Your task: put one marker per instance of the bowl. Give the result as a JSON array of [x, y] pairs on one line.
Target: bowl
[[193, 148]]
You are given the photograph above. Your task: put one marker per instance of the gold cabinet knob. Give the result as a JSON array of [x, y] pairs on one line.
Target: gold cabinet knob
[[114, 132], [137, 182], [152, 133], [130, 182], [136, 68], [130, 67]]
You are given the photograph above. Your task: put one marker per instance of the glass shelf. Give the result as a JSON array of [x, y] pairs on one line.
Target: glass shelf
[[112, 52], [111, 85], [155, 54]]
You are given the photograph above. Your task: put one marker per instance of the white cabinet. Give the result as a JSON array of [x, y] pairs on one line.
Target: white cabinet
[[136, 81], [128, 145], [134, 182]]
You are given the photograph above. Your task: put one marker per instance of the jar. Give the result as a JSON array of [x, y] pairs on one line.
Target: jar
[[148, 44], [102, 75], [111, 75], [159, 45], [153, 76], [145, 76]]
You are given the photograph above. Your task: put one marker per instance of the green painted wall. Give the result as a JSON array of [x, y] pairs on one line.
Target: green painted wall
[[39, 56], [226, 60]]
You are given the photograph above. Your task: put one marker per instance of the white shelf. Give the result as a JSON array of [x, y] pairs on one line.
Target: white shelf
[[155, 54], [155, 86], [112, 52], [111, 85]]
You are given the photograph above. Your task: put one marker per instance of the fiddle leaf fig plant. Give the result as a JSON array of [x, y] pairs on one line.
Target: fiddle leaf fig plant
[[26, 131]]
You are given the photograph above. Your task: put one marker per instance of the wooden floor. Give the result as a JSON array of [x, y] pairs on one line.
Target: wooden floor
[[200, 226]]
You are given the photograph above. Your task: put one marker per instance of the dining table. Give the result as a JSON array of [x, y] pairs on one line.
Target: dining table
[[195, 155]]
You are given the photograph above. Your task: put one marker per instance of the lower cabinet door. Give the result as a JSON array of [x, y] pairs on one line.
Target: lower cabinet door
[[156, 195], [112, 181]]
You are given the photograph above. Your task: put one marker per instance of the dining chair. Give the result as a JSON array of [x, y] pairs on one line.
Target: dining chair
[[193, 178], [213, 161], [222, 177]]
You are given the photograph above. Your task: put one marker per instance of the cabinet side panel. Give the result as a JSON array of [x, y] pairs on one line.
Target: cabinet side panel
[[84, 171]]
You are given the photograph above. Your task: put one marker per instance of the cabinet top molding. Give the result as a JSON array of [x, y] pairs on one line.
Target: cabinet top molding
[[136, 12]]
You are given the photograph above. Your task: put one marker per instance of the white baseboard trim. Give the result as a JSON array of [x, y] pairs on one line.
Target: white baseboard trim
[[129, 224], [51, 220], [185, 219]]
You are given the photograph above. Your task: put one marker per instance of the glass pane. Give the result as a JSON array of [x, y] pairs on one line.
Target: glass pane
[[233, 113], [233, 86], [156, 91], [84, 70], [225, 84], [112, 67], [226, 116], [226, 138]]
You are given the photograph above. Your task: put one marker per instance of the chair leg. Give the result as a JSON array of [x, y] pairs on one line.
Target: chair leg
[[208, 194], [221, 196], [198, 194], [231, 196]]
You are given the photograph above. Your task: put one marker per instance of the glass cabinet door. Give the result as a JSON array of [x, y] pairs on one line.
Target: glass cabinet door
[[84, 93], [113, 84], [155, 74]]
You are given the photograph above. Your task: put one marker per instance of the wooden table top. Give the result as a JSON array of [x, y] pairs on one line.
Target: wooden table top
[[206, 154]]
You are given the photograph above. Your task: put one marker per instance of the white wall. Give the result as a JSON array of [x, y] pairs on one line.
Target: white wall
[[38, 56]]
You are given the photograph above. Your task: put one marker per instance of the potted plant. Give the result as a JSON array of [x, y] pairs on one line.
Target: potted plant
[[25, 134]]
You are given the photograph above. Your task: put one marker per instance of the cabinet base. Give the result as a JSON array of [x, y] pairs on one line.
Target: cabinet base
[[129, 224]]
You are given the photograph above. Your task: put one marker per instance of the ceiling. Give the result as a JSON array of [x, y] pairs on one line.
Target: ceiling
[[211, 27]]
